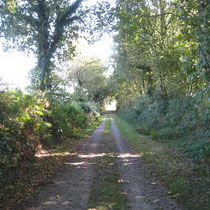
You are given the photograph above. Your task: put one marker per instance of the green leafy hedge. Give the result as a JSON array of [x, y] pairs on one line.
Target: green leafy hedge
[[180, 121], [29, 120]]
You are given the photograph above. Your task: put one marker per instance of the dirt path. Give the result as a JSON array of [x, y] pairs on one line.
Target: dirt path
[[72, 187]]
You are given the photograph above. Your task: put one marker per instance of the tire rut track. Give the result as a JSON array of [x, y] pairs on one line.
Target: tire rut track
[[106, 191]]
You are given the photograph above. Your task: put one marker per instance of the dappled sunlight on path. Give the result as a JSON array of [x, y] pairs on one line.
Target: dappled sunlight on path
[[144, 191], [87, 159], [71, 188]]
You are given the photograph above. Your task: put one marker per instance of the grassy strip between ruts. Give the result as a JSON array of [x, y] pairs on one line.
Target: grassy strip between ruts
[[36, 174], [107, 131], [187, 181], [105, 192]]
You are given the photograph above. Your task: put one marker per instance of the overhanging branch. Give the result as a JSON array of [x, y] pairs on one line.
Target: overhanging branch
[[69, 12], [62, 21]]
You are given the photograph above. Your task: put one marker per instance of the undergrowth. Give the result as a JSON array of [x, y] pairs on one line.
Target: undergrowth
[[182, 122], [28, 121]]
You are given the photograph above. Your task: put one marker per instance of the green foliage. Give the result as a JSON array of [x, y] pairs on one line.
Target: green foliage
[[48, 30], [27, 121], [161, 52], [88, 75], [21, 188], [184, 123], [198, 150]]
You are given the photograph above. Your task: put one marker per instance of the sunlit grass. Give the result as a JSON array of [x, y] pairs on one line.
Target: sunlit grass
[[107, 131], [186, 180], [87, 131]]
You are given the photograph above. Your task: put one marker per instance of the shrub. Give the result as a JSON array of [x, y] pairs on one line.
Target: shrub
[[27, 121]]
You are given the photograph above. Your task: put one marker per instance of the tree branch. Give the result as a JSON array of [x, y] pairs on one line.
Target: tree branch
[[72, 9], [30, 20], [62, 21], [72, 19]]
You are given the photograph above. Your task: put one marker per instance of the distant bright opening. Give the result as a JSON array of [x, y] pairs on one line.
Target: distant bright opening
[[112, 106]]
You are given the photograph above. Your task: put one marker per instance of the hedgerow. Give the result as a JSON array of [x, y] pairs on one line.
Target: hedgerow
[[183, 123], [30, 120]]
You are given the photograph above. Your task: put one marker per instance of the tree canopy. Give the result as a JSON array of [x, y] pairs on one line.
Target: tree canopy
[[89, 79], [48, 29], [161, 70], [157, 47]]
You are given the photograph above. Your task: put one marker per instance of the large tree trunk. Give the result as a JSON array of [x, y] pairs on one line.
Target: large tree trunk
[[43, 64], [47, 45], [45, 67]]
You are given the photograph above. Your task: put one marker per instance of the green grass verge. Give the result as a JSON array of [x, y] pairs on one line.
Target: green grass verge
[[107, 130], [37, 173], [187, 181]]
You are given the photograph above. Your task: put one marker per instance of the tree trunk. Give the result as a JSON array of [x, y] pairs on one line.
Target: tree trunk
[[44, 66]]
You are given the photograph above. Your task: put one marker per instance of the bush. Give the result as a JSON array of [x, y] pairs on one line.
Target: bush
[[27, 121], [17, 145], [197, 150]]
